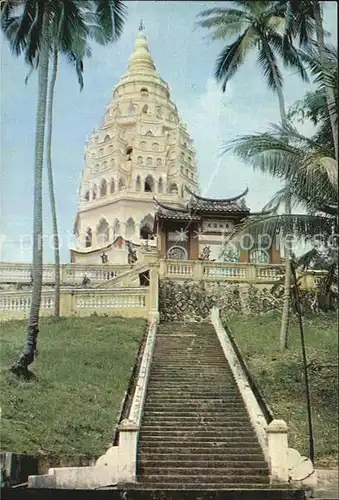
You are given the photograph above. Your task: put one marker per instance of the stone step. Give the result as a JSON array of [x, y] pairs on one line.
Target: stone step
[[199, 450], [202, 440], [150, 419], [226, 479], [194, 491], [197, 427], [232, 473], [188, 434], [199, 464], [180, 458], [196, 412]]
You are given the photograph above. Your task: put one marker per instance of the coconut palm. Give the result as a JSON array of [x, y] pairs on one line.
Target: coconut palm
[[28, 26], [258, 26]]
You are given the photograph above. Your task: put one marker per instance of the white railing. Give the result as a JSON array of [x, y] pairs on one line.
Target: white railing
[[78, 302], [272, 272], [232, 271], [69, 273], [180, 269]]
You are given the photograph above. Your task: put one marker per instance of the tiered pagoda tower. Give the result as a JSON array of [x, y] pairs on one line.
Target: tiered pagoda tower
[[142, 149]]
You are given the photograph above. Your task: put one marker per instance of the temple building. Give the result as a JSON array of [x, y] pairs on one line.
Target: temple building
[[141, 149], [140, 182]]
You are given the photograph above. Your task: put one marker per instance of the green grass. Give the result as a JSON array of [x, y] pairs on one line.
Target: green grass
[[281, 379], [82, 372]]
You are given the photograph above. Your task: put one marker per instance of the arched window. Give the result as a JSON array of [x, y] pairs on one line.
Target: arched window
[[145, 109], [189, 159], [187, 172], [149, 184], [97, 167], [102, 232], [86, 196], [93, 155], [172, 117], [159, 111], [112, 186], [121, 184], [192, 176], [110, 148], [160, 186], [140, 160], [149, 133], [146, 227], [88, 238], [112, 162], [107, 137], [130, 228], [138, 184], [149, 161], [144, 92], [159, 162], [132, 109], [105, 164], [173, 189], [101, 152], [182, 192], [94, 192], [129, 150], [259, 256], [103, 187], [116, 229], [155, 146], [182, 169], [142, 145], [182, 155]]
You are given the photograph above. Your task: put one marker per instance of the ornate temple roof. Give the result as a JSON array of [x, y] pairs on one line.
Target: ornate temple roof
[[198, 206], [166, 212], [227, 205]]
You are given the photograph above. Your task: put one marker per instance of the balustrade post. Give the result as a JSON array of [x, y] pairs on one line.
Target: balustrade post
[[162, 268], [278, 450], [153, 313], [198, 270], [251, 272]]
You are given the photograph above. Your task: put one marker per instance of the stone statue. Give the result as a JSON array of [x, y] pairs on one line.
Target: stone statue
[[132, 254], [206, 252], [86, 281], [104, 258]]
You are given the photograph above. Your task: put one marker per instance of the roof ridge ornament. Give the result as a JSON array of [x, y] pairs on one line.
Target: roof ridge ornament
[[141, 25]]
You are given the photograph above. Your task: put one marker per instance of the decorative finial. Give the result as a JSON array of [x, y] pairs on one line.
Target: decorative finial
[[141, 25]]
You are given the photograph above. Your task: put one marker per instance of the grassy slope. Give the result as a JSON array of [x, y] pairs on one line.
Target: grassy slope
[[82, 372], [280, 376]]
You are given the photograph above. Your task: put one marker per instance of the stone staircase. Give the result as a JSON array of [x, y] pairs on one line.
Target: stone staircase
[[196, 433]]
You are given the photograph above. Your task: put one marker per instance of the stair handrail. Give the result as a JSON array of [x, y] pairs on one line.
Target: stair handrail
[[264, 406], [129, 393]]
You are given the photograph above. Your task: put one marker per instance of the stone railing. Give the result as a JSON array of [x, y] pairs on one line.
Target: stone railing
[[70, 274], [196, 270], [79, 302], [214, 271]]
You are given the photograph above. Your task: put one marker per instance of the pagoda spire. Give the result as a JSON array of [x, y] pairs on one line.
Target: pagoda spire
[[141, 59]]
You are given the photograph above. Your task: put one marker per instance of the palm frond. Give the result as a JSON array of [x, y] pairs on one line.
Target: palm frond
[[111, 17], [269, 66]]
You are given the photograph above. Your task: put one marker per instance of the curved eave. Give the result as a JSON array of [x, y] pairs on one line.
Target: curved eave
[[168, 207], [217, 200]]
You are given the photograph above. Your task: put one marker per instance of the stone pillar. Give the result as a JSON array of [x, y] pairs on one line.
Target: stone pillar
[[251, 272], [198, 270], [128, 440], [278, 450], [153, 313]]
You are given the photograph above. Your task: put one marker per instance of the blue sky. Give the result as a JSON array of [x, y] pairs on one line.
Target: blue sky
[[185, 59]]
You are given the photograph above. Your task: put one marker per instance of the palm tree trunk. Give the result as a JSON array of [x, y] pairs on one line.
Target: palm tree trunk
[[330, 99], [287, 250], [29, 350], [51, 183]]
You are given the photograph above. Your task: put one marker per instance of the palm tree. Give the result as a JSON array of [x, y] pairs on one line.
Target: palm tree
[[27, 25], [257, 26], [94, 14]]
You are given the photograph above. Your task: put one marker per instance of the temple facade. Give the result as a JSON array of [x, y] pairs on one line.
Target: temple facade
[[140, 182], [141, 149]]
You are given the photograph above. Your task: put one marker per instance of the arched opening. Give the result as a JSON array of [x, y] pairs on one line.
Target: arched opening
[[103, 187], [132, 109], [142, 145], [130, 228], [144, 92], [116, 229], [182, 192], [149, 161], [160, 186], [121, 184], [149, 133], [112, 162], [187, 172], [149, 184], [159, 162], [88, 238], [146, 227], [94, 192], [102, 232], [173, 189], [107, 137], [101, 152], [138, 184], [145, 109], [155, 146], [112, 186], [140, 160], [129, 150], [86, 196]]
